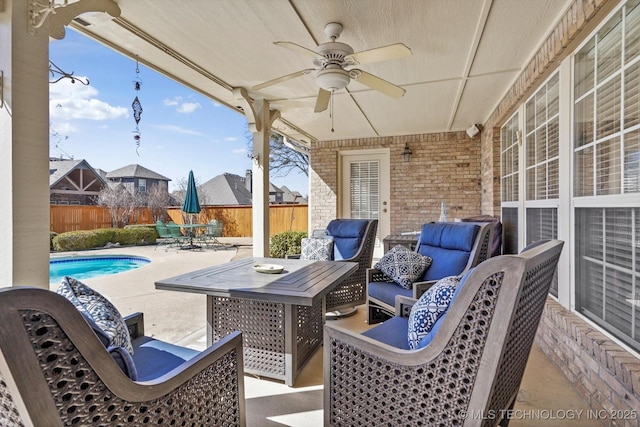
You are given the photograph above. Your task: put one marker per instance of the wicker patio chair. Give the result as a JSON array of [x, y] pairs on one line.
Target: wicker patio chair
[[470, 371], [354, 241], [454, 247], [55, 371]]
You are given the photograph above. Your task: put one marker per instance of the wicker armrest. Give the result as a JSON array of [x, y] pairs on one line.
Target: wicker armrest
[[135, 324], [419, 288], [403, 305], [292, 256], [375, 275]]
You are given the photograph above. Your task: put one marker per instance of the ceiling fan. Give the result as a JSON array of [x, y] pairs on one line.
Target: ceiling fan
[[334, 61]]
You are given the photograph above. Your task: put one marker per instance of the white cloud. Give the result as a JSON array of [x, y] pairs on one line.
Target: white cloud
[[188, 107], [178, 129], [68, 101], [239, 151], [184, 107], [231, 139], [172, 102], [63, 128]]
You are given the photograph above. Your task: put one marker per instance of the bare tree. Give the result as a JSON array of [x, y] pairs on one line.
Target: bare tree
[[181, 190], [284, 155], [121, 203], [157, 201]]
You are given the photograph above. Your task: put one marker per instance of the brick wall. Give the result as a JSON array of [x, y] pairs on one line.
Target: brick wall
[[444, 167], [602, 372]]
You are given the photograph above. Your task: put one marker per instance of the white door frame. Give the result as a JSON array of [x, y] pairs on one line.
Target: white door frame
[[382, 155]]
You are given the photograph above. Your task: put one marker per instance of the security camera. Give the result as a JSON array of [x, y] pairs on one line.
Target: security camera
[[473, 130]]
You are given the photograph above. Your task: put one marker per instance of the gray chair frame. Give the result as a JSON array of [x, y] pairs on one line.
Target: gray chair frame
[[474, 365], [54, 371], [378, 311]]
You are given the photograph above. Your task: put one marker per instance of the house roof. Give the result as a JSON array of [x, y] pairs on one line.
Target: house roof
[[135, 171], [225, 189], [292, 196], [58, 169]]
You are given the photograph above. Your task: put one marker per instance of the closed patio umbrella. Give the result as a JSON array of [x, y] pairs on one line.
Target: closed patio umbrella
[[191, 205]]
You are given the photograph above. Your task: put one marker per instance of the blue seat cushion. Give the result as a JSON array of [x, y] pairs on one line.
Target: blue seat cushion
[[154, 358], [392, 331], [125, 362], [347, 236], [449, 245], [387, 291]]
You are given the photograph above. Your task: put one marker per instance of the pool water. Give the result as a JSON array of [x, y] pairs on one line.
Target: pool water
[[86, 267]]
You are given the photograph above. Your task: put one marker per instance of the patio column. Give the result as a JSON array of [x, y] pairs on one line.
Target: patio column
[[260, 119], [24, 148]]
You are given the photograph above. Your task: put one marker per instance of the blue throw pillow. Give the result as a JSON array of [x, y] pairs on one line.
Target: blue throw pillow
[[103, 313], [403, 265], [429, 308]]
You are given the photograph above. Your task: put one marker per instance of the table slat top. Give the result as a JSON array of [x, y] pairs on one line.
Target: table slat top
[[300, 283]]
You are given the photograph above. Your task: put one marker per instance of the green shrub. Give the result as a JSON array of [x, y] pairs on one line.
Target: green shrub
[[287, 243], [52, 234], [89, 239]]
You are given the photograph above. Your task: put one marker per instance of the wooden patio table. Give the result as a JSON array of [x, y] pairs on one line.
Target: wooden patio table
[[281, 316]]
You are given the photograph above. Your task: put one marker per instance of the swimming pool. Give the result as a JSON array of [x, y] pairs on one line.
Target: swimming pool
[[85, 267]]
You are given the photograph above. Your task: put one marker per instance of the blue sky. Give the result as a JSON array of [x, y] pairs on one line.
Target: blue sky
[[180, 129]]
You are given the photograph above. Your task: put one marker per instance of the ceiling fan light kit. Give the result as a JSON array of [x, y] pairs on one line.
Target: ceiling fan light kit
[[332, 79], [333, 61]]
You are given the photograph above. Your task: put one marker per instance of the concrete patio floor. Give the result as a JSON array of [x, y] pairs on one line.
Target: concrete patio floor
[[546, 398]]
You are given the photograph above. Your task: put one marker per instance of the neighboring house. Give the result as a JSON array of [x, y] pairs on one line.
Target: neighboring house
[[233, 190], [137, 177], [292, 197], [73, 182], [227, 190]]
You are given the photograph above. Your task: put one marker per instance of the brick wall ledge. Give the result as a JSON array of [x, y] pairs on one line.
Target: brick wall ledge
[[605, 374]]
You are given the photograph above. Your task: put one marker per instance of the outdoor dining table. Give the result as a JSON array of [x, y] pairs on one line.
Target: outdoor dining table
[[190, 229], [281, 315]]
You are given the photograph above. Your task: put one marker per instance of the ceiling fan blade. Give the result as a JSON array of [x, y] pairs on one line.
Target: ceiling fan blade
[[282, 79], [322, 101], [377, 83], [384, 53], [297, 48]]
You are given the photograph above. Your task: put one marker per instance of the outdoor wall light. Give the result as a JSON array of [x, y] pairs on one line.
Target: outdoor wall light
[[406, 153]]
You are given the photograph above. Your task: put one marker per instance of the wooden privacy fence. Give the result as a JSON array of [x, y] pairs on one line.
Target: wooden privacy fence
[[237, 220]]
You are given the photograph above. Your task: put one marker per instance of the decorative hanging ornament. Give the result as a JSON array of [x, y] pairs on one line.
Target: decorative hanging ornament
[[137, 107]]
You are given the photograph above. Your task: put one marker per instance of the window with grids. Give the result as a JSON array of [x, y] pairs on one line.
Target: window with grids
[[608, 269], [509, 160], [364, 189], [542, 156], [542, 142], [607, 170], [607, 108], [510, 185], [542, 224]]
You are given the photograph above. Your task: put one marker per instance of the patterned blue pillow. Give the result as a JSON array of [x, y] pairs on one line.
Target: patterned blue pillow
[[92, 304], [403, 266], [319, 249], [429, 308]]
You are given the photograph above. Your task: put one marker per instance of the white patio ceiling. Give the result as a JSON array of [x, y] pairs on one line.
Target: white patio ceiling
[[466, 54]]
